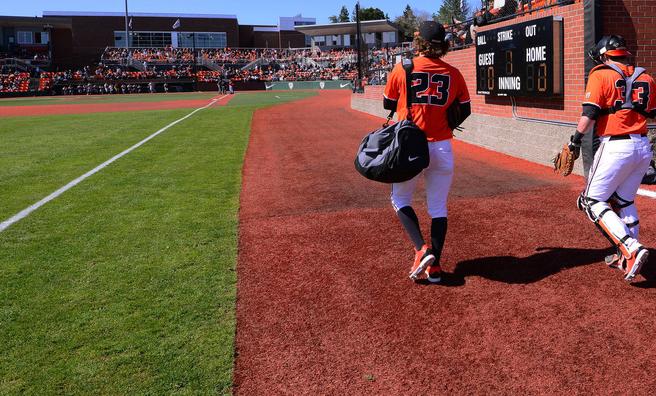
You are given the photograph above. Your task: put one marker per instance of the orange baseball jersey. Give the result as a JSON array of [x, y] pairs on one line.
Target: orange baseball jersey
[[435, 86], [606, 88]]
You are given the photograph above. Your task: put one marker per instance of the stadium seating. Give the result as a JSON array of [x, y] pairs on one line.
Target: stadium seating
[[15, 82]]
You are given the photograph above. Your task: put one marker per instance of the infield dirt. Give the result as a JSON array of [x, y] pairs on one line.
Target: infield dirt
[[325, 305]]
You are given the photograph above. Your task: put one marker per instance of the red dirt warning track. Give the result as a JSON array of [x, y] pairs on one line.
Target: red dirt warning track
[[40, 110], [325, 305]]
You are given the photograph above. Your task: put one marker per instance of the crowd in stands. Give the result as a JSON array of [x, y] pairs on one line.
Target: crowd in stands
[[463, 33], [15, 82], [237, 56], [107, 88], [168, 55], [232, 56], [293, 71], [104, 73], [116, 75], [274, 65]]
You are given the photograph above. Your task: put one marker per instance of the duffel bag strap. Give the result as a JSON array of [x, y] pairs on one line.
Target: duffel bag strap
[[389, 119], [408, 66]]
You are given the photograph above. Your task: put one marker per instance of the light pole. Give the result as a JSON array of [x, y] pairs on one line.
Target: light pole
[[358, 45], [127, 32], [48, 28], [193, 70]]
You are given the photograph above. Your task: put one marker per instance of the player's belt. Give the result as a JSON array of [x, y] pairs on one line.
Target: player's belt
[[623, 137]]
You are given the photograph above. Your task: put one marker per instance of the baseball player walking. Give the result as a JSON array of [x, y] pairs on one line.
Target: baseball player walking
[[435, 86], [619, 98]]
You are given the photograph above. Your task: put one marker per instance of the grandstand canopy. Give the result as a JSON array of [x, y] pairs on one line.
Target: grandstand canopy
[[344, 28], [36, 22]]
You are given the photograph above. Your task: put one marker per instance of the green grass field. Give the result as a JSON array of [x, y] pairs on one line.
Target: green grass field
[[126, 283], [57, 100]]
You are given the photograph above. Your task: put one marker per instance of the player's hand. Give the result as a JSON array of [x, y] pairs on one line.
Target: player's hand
[[575, 149]]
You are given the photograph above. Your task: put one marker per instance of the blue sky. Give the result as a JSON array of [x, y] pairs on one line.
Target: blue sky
[[247, 11]]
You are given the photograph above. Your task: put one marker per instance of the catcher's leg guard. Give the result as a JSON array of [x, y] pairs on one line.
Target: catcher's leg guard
[[611, 226], [581, 202], [628, 212]]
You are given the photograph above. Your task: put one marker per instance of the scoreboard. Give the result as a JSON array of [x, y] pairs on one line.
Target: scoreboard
[[525, 59]]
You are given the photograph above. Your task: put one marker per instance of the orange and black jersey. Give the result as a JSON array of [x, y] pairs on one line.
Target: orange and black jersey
[[606, 90], [435, 86]]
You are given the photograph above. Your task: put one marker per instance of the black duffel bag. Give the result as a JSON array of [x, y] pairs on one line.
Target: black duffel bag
[[394, 153]]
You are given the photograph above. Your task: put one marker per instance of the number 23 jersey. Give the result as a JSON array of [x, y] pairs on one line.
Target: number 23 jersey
[[435, 86], [606, 87]]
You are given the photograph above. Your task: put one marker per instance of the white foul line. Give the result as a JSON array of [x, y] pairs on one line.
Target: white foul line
[[27, 211]]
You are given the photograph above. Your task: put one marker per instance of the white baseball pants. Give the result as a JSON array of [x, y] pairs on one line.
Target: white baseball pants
[[619, 167], [438, 177], [616, 173]]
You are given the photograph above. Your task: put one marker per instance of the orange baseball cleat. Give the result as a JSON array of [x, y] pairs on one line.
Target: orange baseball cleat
[[423, 259], [634, 263]]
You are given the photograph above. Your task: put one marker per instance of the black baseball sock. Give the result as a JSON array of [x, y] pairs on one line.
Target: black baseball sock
[[438, 235], [410, 222]]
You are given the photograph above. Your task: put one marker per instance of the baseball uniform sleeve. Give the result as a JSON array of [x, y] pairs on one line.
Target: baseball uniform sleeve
[[463, 92], [651, 105], [393, 87], [595, 99]]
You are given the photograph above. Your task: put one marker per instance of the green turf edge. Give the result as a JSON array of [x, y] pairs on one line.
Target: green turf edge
[[88, 283]]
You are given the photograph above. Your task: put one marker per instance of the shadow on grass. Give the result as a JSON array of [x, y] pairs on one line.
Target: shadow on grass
[[515, 270]]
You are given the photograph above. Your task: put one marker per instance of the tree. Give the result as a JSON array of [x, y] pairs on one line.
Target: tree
[[458, 9], [407, 23], [342, 17], [370, 14]]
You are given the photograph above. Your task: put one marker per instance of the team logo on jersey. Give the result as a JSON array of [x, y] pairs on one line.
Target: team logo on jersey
[[322, 85], [587, 95], [291, 86]]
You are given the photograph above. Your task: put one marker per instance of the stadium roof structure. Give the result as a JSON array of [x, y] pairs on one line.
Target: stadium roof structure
[[135, 14], [377, 26], [23, 21]]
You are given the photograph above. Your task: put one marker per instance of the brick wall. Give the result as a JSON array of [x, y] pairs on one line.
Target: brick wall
[[564, 108], [492, 125], [635, 20]]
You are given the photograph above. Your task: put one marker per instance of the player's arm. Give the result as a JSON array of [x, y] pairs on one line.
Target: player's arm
[[465, 110], [392, 89], [592, 108], [595, 97], [651, 105]]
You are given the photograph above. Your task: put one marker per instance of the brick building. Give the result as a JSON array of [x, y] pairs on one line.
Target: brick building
[[75, 39]]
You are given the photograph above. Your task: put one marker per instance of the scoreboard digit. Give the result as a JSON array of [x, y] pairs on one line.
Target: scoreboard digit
[[524, 59]]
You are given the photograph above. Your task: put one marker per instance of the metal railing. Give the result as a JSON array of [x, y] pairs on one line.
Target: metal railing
[[463, 33], [19, 64]]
